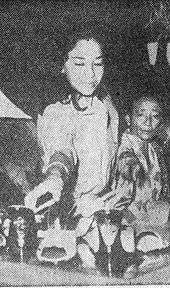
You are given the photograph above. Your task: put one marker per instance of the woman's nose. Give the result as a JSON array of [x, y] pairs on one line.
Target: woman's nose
[[89, 72]]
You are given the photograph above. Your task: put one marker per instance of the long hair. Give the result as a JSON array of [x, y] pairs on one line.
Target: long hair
[[65, 41]]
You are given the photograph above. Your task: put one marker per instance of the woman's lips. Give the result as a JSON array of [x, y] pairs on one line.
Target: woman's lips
[[93, 83]]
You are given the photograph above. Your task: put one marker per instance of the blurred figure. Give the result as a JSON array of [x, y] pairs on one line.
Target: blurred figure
[[20, 160]]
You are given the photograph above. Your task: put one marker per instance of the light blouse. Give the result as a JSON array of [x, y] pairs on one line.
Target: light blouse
[[84, 139]]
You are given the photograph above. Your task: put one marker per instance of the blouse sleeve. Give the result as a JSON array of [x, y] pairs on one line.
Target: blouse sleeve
[[114, 119], [55, 136]]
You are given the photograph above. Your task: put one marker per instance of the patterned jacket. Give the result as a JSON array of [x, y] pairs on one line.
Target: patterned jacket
[[79, 145]]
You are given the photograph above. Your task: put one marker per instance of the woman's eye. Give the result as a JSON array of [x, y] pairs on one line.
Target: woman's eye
[[98, 64], [79, 64]]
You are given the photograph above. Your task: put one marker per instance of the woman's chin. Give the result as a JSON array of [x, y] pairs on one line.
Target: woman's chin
[[87, 91]]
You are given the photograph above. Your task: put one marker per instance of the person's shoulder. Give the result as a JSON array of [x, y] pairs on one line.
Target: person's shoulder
[[57, 110], [53, 109], [110, 105], [55, 115]]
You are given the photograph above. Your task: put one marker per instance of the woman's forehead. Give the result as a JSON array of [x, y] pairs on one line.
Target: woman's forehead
[[86, 49]]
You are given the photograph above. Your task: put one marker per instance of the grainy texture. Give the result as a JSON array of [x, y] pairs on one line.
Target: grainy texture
[[29, 65], [27, 275]]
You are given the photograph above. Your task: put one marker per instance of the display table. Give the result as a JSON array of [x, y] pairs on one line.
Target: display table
[[36, 274]]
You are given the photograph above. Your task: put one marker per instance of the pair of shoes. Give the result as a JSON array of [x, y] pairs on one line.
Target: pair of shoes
[[131, 272]]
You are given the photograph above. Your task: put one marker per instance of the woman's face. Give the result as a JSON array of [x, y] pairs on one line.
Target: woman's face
[[84, 67]]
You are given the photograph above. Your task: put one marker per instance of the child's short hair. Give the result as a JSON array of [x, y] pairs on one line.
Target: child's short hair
[[148, 96]]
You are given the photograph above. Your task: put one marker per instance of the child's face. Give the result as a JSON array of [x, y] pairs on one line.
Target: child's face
[[146, 118]]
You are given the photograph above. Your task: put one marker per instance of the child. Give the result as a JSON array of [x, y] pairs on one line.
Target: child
[[141, 175]]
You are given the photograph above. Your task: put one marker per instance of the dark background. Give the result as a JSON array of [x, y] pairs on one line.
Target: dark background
[[30, 66], [28, 54]]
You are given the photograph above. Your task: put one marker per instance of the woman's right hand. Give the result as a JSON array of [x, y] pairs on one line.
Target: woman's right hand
[[50, 185], [88, 204]]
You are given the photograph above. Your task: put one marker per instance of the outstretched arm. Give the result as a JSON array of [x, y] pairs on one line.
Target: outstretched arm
[[58, 157]]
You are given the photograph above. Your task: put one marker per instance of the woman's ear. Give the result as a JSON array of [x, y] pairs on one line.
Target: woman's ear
[[127, 119]]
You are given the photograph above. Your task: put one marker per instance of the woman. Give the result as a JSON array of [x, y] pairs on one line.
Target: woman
[[79, 138]]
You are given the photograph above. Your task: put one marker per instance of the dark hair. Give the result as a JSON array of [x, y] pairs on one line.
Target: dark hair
[[148, 96], [65, 40], [86, 30]]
